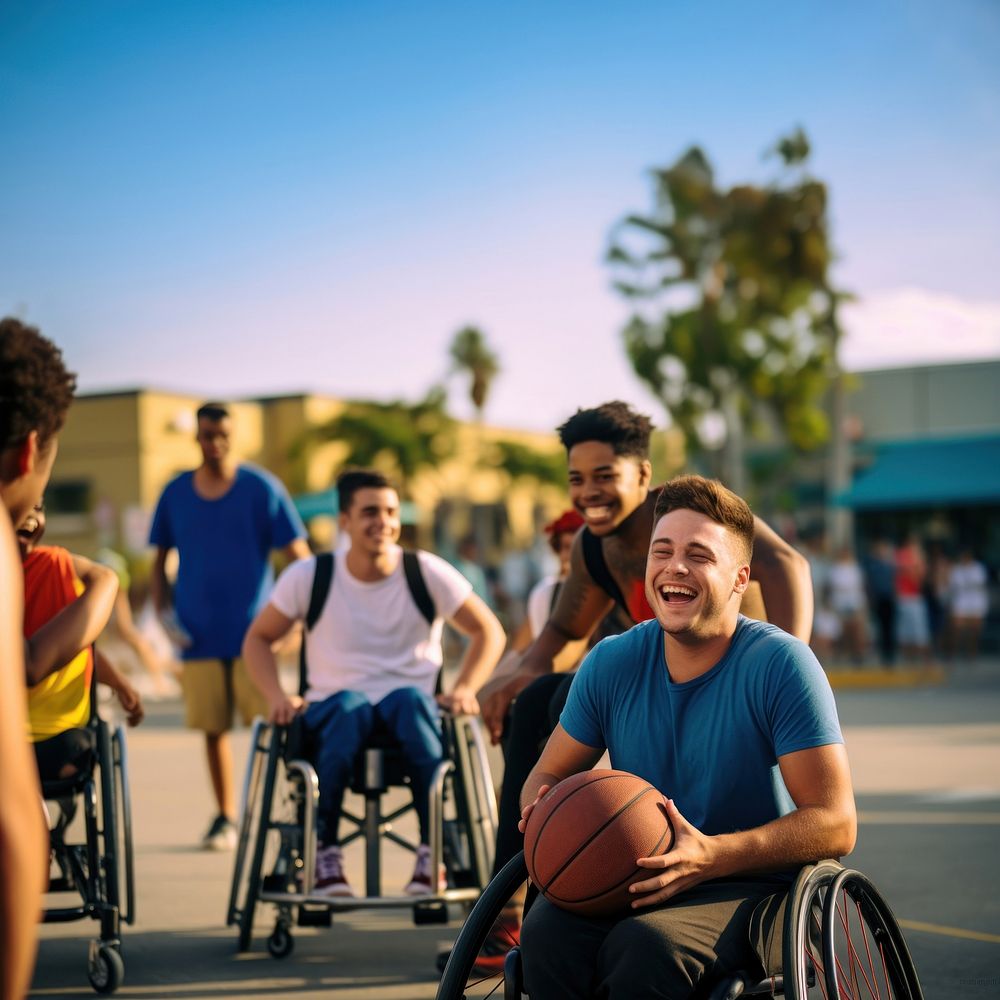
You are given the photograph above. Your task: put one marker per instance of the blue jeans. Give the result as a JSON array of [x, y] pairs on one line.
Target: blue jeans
[[338, 729]]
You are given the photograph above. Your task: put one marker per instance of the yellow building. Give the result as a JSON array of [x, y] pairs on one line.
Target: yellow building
[[119, 449]]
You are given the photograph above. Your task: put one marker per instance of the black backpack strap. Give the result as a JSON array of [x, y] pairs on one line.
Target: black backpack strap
[[322, 578], [418, 586], [593, 557]]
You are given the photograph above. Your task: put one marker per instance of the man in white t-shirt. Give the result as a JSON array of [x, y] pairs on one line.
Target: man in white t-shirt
[[372, 657]]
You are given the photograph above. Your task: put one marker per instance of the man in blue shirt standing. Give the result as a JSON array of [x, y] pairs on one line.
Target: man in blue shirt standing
[[735, 721], [224, 518]]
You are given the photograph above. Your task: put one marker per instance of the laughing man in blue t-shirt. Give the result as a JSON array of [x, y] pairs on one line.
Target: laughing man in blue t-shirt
[[224, 518], [735, 721]]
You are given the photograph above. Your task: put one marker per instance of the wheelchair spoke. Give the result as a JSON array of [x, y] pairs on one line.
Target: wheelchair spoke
[[496, 978], [873, 984], [842, 978], [815, 920], [818, 966], [865, 953], [885, 969], [853, 959]]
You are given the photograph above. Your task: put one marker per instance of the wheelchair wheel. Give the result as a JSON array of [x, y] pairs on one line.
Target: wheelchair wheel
[[280, 944], [247, 877], [275, 837], [105, 968], [864, 954], [802, 945], [475, 798], [249, 818], [459, 979], [123, 801], [109, 868]]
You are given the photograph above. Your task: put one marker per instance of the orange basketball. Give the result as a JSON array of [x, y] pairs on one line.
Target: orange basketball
[[584, 836]]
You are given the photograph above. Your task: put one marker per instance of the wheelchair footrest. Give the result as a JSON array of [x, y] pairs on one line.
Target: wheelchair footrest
[[315, 917], [432, 912]]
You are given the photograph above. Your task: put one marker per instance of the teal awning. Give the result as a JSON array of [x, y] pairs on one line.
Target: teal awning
[[928, 473], [324, 504]]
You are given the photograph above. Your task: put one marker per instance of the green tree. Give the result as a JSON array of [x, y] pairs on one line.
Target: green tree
[[734, 326], [520, 461], [472, 356], [399, 437]]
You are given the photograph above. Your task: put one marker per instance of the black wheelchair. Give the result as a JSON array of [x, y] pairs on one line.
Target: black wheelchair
[[276, 849], [100, 870], [840, 940]]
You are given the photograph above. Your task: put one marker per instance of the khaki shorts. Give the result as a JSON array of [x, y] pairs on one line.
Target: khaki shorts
[[213, 689]]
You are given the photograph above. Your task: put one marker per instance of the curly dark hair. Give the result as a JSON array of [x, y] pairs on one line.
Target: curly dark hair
[[35, 387], [614, 423]]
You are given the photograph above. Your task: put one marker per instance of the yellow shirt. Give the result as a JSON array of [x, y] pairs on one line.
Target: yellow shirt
[[62, 700]]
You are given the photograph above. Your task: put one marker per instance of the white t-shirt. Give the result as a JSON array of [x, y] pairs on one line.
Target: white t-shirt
[[371, 637], [540, 604], [847, 588], [967, 590]]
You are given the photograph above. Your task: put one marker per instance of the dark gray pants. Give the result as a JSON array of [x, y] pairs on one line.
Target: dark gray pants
[[675, 951]]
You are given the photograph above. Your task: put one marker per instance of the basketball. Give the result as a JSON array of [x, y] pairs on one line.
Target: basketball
[[584, 836]]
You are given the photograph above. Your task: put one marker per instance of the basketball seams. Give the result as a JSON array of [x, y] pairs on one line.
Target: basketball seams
[[560, 803], [618, 885], [594, 835]]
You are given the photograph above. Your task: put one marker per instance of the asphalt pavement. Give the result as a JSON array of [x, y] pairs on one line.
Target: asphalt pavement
[[926, 766]]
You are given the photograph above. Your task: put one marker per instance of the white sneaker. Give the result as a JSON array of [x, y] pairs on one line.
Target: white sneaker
[[330, 878], [420, 883], [221, 835]]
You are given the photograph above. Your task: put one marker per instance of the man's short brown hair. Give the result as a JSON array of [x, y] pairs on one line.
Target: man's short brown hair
[[711, 498], [351, 481]]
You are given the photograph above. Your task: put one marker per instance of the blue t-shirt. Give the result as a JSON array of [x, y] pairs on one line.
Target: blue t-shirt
[[711, 744], [224, 545]]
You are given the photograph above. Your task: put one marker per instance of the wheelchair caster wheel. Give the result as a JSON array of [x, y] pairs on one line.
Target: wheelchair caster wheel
[[281, 943], [430, 913], [105, 969]]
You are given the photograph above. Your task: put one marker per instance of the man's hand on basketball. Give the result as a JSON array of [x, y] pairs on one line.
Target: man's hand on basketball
[[688, 862], [283, 711], [461, 701], [522, 823]]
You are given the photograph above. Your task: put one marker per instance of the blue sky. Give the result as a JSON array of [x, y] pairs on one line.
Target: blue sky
[[255, 197]]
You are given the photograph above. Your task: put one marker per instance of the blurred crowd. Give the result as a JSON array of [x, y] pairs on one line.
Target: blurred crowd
[[909, 602]]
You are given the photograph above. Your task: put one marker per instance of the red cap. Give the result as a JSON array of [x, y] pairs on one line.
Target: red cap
[[568, 521]]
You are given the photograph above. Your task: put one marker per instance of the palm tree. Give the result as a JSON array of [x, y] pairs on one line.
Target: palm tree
[[471, 355], [404, 438]]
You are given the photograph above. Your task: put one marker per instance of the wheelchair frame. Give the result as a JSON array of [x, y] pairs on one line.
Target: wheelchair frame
[[101, 870], [284, 876], [818, 907]]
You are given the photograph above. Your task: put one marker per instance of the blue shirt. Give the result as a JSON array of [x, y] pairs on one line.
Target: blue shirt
[[712, 743], [224, 546]]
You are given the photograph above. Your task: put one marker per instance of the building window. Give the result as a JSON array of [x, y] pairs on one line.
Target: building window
[[68, 496]]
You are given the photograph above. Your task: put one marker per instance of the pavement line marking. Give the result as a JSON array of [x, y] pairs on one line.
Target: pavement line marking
[[957, 932], [953, 796], [928, 818]]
